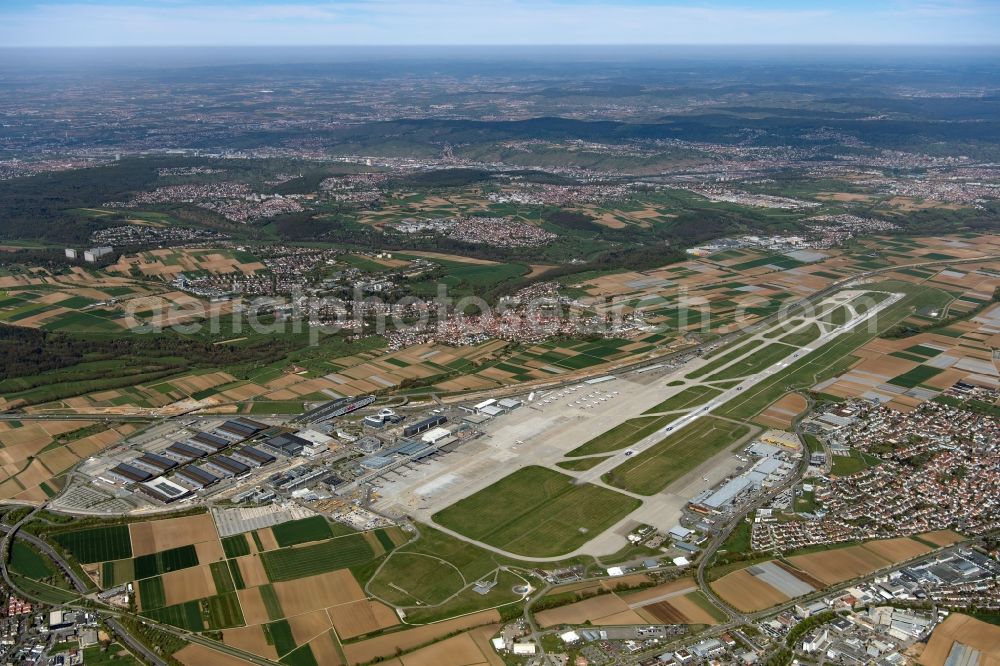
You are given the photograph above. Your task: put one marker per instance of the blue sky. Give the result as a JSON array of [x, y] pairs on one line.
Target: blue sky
[[419, 22]]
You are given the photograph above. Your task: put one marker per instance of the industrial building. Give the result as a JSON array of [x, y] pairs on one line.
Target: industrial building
[[95, 253], [209, 442], [155, 463], [384, 416], [125, 473], [424, 425], [183, 453], [261, 457], [287, 444], [242, 427], [195, 477], [163, 490], [765, 473]]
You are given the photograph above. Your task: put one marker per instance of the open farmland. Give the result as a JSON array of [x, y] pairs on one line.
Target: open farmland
[[314, 528], [166, 263], [97, 544], [761, 586], [652, 470], [747, 593], [959, 628], [291, 563], [536, 511], [387, 645], [36, 455], [158, 535]]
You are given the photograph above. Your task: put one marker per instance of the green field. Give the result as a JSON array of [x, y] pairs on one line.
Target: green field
[[339, 553], [166, 561], [916, 376], [223, 611], [301, 656], [185, 616], [801, 337], [151, 593], [271, 603], [236, 545], [97, 544], [722, 360], [851, 464], [431, 569], [655, 468], [221, 577], [280, 635], [581, 464], [756, 362], [537, 512], [622, 435], [237, 575], [115, 655], [27, 561], [687, 399], [313, 528]]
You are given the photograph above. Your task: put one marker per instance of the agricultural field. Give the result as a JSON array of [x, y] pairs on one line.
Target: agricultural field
[[285, 592], [767, 584], [675, 602], [944, 341], [77, 300], [537, 512], [35, 455], [959, 628], [471, 368], [168, 263], [652, 470]]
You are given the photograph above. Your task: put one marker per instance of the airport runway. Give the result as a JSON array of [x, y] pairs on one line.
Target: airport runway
[[594, 474]]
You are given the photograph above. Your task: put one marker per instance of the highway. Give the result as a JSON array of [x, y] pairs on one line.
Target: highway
[[13, 531]]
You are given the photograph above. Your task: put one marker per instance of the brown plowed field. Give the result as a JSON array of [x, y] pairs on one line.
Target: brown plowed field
[[199, 655], [898, 550], [840, 564], [967, 631], [252, 570], [361, 617], [458, 650], [324, 649], [251, 639], [308, 626], [746, 593], [156, 535], [188, 585], [254, 611], [942, 537], [385, 646], [588, 610], [318, 592]]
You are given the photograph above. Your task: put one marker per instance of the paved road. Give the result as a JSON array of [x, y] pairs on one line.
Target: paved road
[[594, 474], [79, 585]]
